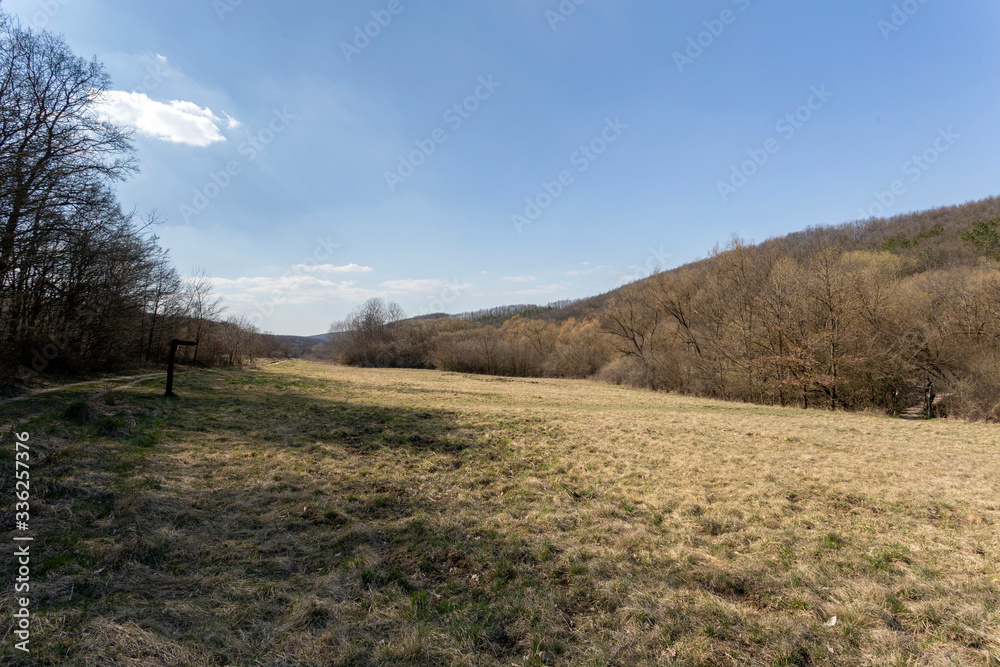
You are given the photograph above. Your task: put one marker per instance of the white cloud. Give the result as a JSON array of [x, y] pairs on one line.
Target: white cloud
[[330, 268], [178, 121], [231, 123], [520, 279], [290, 290], [310, 289]]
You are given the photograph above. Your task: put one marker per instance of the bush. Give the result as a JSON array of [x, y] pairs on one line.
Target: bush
[[629, 371]]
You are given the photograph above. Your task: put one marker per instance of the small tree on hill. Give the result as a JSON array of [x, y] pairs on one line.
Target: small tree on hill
[[985, 237]]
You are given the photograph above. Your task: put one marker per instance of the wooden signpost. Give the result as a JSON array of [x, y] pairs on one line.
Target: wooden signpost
[[174, 343]]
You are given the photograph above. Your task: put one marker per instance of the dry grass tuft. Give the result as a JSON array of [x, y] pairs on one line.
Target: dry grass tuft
[[126, 644]]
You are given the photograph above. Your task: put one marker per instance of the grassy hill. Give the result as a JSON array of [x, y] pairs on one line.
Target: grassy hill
[[306, 514]]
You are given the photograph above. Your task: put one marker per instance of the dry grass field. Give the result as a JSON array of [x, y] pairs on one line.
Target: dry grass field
[[307, 514]]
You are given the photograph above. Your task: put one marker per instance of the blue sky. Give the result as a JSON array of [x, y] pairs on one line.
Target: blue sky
[[307, 166]]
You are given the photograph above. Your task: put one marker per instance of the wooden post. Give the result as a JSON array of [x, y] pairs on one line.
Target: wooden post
[[174, 343]]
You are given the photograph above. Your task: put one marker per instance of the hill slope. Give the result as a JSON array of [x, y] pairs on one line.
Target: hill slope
[[932, 234], [908, 234]]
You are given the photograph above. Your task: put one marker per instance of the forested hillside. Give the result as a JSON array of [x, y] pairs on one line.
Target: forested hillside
[[853, 317]]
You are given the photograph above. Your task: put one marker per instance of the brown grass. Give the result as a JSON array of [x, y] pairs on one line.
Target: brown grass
[[306, 514]]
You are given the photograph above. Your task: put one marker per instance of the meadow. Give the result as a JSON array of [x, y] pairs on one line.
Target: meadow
[[312, 514]]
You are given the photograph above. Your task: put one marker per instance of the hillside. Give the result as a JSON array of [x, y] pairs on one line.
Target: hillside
[[932, 235], [908, 234], [860, 316]]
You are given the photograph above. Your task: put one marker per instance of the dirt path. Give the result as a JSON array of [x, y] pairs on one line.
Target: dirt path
[[129, 381], [133, 380], [918, 412]]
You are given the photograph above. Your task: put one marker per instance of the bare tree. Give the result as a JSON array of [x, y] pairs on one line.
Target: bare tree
[[202, 309], [58, 215], [365, 337]]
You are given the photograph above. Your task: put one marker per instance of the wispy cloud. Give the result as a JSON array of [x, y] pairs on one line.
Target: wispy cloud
[[291, 290], [302, 288], [176, 121], [585, 272], [541, 289], [331, 268], [411, 286], [520, 279], [231, 123]]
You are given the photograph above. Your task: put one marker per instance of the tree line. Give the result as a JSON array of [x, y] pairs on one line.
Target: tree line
[[376, 334], [84, 284]]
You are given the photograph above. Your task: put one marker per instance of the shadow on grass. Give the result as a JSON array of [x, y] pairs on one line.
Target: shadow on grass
[[204, 521], [291, 418]]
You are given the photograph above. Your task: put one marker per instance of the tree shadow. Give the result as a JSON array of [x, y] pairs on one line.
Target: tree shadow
[[273, 496]]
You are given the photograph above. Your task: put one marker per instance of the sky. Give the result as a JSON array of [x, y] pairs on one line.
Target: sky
[[462, 154]]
